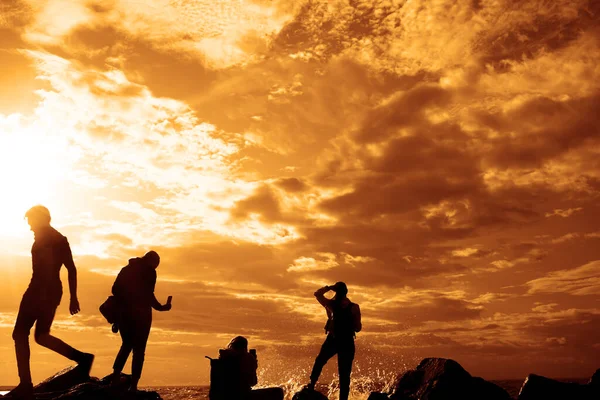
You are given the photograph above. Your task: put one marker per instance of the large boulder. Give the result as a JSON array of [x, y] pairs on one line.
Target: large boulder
[[74, 384], [378, 396], [595, 379], [538, 387], [444, 379], [274, 393], [60, 382], [309, 394]]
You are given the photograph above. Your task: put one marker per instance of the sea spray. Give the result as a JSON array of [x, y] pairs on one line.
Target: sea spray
[[363, 383]]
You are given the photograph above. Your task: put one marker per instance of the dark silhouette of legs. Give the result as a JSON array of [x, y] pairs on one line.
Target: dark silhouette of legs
[[126, 347], [44, 338], [34, 311], [25, 321], [134, 329], [344, 348], [139, 353], [345, 358], [328, 350]]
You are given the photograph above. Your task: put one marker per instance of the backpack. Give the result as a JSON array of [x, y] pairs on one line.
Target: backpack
[[217, 379], [341, 321], [226, 375], [110, 309]]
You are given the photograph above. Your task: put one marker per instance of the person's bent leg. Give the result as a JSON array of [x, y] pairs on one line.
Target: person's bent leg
[[25, 320], [328, 350], [345, 359], [126, 347], [44, 338]]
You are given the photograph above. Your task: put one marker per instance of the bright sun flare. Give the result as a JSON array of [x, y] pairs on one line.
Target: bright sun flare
[[32, 165]]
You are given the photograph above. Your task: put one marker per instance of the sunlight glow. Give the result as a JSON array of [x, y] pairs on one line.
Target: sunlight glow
[[32, 166]]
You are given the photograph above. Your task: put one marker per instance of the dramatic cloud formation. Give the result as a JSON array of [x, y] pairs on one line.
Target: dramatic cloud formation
[[442, 158]]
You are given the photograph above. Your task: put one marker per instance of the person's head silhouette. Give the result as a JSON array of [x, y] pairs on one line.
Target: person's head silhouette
[[238, 343], [152, 259], [340, 289], [38, 217]]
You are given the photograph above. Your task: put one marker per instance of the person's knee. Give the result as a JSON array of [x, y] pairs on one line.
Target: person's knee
[[42, 338], [139, 352], [321, 358], [20, 335]]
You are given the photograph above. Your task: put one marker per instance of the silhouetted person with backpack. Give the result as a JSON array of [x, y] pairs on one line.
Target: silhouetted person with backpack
[[343, 321], [239, 369], [134, 293], [50, 251], [233, 374]]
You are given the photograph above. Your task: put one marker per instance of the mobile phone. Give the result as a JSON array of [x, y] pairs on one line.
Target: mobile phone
[[169, 299]]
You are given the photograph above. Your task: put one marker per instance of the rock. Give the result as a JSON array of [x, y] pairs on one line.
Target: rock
[[63, 380], [72, 384], [60, 382], [538, 387], [490, 389], [378, 396], [595, 379], [274, 393], [97, 391], [444, 379], [308, 394]]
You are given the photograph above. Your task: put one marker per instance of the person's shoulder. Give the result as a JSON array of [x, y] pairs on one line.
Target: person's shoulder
[[59, 237]]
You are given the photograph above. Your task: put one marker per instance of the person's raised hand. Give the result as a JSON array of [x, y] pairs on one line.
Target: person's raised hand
[[74, 306]]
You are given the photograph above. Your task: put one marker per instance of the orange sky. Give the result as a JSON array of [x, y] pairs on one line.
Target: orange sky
[[441, 157]]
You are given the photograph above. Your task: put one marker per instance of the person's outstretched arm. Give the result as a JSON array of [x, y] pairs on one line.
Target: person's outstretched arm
[[154, 301], [320, 295], [72, 271]]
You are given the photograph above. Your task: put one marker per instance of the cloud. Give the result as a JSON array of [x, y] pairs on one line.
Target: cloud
[[227, 35], [580, 281], [419, 151], [303, 264], [467, 252], [564, 213]]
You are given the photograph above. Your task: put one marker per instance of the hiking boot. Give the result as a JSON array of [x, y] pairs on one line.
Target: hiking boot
[[24, 391], [115, 328], [85, 362]]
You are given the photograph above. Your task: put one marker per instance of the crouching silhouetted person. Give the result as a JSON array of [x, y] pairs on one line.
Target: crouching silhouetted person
[[343, 322], [49, 252], [134, 293], [233, 374]]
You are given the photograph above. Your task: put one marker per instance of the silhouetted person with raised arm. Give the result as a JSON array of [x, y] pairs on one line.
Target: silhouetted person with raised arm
[[134, 292], [343, 321], [50, 251]]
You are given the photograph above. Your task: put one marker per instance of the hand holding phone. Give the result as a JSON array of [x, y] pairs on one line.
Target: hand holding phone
[[169, 299]]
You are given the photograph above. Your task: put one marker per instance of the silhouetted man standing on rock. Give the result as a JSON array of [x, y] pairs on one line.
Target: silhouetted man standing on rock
[[49, 252], [343, 322], [134, 291]]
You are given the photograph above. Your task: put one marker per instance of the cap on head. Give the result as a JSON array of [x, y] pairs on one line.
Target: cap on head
[[38, 213], [152, 258], [340, 288]]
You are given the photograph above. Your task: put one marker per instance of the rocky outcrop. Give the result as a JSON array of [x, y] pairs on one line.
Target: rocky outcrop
[[538, 387], [274, 393], [595, 379], [309, 394], [443, 379], [73, 384], [378, 396]]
